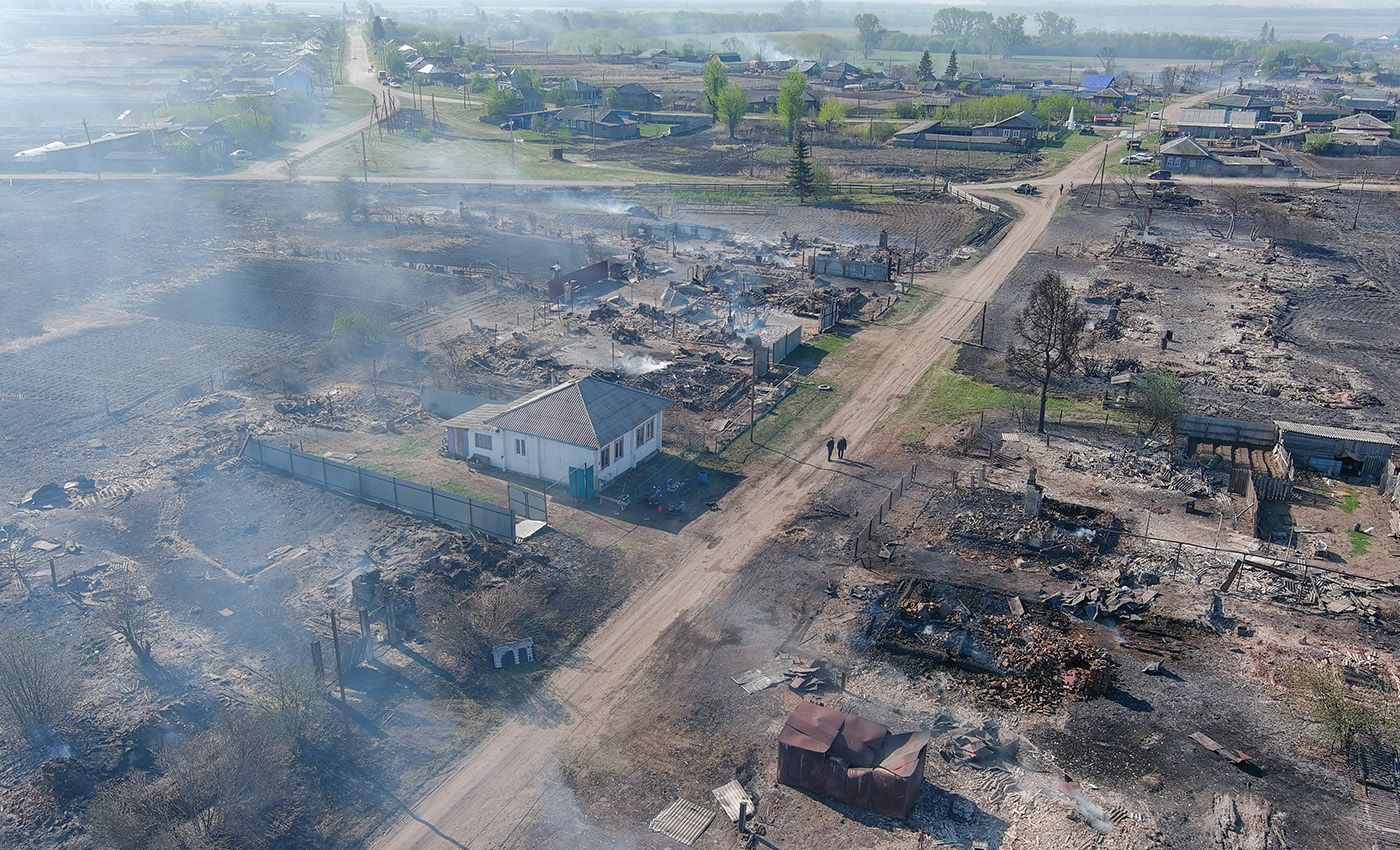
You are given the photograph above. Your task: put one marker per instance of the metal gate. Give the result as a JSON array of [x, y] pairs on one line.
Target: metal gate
[[581, 485], [528, 504]]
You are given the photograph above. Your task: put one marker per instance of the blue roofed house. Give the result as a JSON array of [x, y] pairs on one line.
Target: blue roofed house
[[1094, 83], [556, 433]]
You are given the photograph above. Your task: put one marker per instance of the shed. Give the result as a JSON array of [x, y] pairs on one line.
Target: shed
[[564, 432], [1338, 452], [851, 759]]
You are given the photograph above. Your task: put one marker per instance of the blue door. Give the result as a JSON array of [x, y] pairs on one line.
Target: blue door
[[581, 482]]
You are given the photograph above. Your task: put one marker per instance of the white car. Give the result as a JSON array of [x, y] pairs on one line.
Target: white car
[[1136, 159], [1156, 116]]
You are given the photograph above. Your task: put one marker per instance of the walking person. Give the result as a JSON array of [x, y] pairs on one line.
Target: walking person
[[830, 444], [841, 448]]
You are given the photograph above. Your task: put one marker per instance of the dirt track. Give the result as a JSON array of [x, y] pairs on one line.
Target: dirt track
[[480, 802]]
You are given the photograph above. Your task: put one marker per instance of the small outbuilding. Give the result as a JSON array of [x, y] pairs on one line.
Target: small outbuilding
[[1337, 452], [851, 759], [585, 432]]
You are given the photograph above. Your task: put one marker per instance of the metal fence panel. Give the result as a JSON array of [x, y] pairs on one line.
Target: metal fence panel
[[415, 498], [527, 503], [492, 520], [342, 477], [407, 496], [454, 509], [377, 487]]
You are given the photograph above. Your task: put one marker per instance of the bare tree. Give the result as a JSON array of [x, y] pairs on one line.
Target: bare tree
[[230, 787], [38, 685], [1108, 58], [1330, 703], [1051, 328], [471, 622], [126, 611], [1234, 199], [1169, 75], [293, 697]]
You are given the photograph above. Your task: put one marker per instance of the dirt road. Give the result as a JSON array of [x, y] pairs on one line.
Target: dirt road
[[357, 74], [482, 799]]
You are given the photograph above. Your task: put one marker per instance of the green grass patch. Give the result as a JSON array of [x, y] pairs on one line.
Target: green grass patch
[[411, 446], [942, 397], [390, 470], [463, 488], [795, 418], [1360, 541], [651, 131], [773, 154], [1349, 502]]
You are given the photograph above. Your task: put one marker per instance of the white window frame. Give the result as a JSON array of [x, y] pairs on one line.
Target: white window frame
[[651, 429], [640, 435], [605, 457], [617, 448], [520, 446], [481, 441]]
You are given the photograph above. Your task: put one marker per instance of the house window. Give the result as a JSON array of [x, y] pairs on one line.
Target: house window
[[617, 449], [641, 435], [605, 457], [651, 429], [482, 441], [520, 446]]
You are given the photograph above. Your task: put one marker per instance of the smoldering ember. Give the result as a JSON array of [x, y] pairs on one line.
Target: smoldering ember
[[803, 425]]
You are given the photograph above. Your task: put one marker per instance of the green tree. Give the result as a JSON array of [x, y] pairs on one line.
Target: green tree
[[377, 30], [954, 22], [792, 102], [869, 32], [1159, 399], [1052, 25], [925, 66], [732, 104], [951, 71], [503, 102], [359, 331], [801, 176], [714, 78], [1056, 107], [1317, 142], [345, 197], [1052, 336], [610, 97], [1006, 34], [833, 112]]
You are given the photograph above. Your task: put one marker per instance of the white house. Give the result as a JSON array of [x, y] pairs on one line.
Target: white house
[[582, 432]]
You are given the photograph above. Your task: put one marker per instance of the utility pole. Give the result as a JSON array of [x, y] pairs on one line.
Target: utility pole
[[982, 332], [335, 640], [753, 401], [364, 157], [1103, 171], [1356, 218], [91, 152]]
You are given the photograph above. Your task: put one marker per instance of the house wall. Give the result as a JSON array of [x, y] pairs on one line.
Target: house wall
[[632, 453], [550, 460]]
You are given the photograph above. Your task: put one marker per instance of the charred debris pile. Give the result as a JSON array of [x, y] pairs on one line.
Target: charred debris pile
[[1011, 655]]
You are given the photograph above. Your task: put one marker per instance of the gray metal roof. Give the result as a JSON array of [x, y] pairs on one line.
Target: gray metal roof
[[1335, 433], [590, 413], [477, 417]]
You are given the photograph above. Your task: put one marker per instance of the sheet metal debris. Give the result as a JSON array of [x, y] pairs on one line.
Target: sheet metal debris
[[729, 796], [682, 820]]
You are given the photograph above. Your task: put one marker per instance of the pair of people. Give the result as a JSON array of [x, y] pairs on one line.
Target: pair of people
[[838, 445]]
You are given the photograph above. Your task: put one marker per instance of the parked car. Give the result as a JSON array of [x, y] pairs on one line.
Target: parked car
[[240, 154], [1156, 116], [1136, 159], [1160, 174], [1026, 189], [1087, 131]]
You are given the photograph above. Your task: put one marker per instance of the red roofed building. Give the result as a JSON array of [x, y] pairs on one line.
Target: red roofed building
[[851, 759]]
